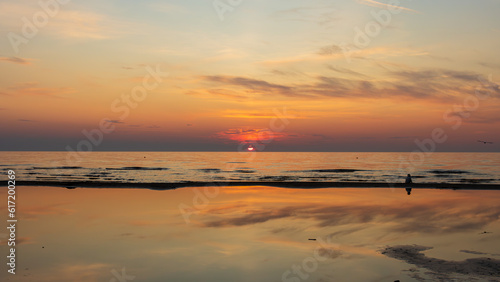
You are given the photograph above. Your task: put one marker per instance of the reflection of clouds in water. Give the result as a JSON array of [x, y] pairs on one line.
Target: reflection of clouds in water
[[284, 230], [439, 216], [78, 272], [52, 209], [19, 240], [226, 208], [345, 232], [490, 238], [329, 253], [252, 217]]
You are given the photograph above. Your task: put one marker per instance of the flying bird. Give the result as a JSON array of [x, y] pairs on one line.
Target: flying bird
[[485, 142]]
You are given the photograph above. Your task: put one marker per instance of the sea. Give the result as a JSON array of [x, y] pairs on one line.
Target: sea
[[248, 233], [178, 167]]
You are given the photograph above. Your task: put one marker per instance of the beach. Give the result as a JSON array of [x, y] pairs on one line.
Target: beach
[[250, 141], [256, 233], [253, 217], [283, 184]]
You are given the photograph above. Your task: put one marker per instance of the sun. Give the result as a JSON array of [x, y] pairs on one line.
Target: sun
[[250, 149]]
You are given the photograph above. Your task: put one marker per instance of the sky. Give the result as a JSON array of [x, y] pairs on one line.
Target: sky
[[225, 75]]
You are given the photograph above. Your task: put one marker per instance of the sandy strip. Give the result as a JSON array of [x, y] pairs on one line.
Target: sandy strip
[[282, 184]]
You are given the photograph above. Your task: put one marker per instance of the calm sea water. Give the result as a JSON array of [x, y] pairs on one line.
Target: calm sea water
[[256, 166]]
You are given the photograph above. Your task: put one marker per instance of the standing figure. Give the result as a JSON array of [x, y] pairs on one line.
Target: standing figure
[[408, 179]]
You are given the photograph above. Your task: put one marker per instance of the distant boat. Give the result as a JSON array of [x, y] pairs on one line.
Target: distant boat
[[485, 142]]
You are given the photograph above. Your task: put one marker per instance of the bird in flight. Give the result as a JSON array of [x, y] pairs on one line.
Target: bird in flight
[[485, 142]]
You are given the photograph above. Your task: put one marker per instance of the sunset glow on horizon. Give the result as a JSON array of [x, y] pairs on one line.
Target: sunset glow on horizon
[[350, 75]]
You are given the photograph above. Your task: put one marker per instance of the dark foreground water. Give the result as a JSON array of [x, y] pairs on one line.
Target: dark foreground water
[[252, 234], [174, 167]]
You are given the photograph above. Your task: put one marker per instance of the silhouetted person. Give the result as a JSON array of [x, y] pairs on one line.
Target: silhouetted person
[[408, 179]]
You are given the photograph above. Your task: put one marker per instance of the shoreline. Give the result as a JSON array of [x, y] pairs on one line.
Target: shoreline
[[278, 184]]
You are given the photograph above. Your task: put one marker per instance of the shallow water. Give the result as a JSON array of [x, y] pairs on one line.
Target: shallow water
[[247, 233], [246, 166]]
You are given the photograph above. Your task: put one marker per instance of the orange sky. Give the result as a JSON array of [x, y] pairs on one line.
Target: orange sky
[[182, 75]]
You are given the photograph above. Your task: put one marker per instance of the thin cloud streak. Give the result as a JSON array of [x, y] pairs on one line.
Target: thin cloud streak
[[68, 24], [16, 60], [384, 5], [33, 88], [436, 84]]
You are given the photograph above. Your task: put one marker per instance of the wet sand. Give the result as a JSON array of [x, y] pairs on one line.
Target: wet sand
[[413, 254], [281, 184], [268, 227]]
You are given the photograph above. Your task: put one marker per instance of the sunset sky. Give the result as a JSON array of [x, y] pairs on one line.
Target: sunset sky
[[285, 75]]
